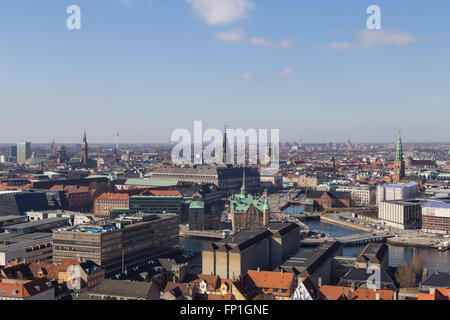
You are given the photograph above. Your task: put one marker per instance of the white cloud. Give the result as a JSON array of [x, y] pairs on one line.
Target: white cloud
[[262, 42], [235, 35], [367, 39], [128, 3], [247, 76], [286, 72], [221, 11]]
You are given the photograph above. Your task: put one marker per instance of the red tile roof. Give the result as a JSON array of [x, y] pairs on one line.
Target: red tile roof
[[339, 293], [437, 294]]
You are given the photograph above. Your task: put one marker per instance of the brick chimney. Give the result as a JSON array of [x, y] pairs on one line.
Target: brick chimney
[[319, 282]]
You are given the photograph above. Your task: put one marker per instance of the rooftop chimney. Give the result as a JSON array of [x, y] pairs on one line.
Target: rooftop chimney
[[259, 269], [377, 296], [319, 282]]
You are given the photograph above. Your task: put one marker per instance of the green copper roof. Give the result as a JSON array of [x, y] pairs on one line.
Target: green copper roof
[[266, 205], [151, 182], [197, 205], [241, 202], [109, 176], [399, 154]]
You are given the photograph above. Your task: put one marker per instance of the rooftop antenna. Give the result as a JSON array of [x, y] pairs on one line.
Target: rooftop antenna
[[117, 143]]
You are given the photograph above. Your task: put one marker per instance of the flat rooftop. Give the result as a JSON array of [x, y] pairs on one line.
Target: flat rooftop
[[36, 223], [11, 241], [10, 218]]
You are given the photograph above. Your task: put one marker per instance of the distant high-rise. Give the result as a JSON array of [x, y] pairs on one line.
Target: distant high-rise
[[84, 151], [23, 151], [53, 149], [13, 153]]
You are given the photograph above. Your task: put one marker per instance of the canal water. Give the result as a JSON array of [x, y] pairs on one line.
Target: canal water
[[433, 259]]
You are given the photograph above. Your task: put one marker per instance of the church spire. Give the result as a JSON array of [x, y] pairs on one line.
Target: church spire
[[399, 153], [224, 146], [243, 188]]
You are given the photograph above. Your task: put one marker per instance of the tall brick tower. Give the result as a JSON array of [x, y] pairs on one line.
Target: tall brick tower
[[399, 164]]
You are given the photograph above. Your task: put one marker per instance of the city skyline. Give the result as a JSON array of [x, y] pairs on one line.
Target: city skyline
[[310, 72]]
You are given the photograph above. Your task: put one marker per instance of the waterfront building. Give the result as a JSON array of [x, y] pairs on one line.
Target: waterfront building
[[264, 248], [329, 199], [248, 212], [373, 254], [118, 244], [401, 214], [436, 217], [388, 192], [313, 264], [197, 215], [361, 195]]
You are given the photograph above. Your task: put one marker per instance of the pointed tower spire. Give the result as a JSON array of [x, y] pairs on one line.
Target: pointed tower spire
[[399, 153], [84, 150], [224, 146], [243, 188]]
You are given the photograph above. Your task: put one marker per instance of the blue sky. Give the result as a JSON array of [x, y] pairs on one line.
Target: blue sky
[[144, 68]]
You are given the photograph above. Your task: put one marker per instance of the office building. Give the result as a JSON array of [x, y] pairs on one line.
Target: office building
[[436, 217], [263, 247], [118, 244], [229, 180], [23, 152], [388, 192], [26, 247], [401, 214]]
